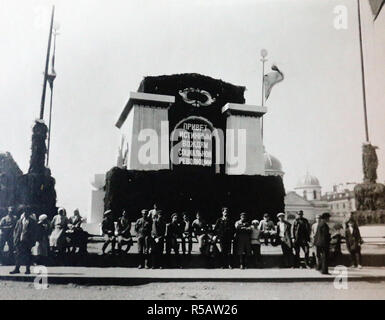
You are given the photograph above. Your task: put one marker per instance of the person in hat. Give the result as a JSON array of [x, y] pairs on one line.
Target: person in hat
[[123, 227], [284, 238], [143, 235], [24, 238], [255, 242], [187, 234], [243, 239], [201, 230], [267, 228], [41, 249], [7, 225], [224, 233], [108, 230], [158, 233], [301, 237], [322, 243], [59, 225]]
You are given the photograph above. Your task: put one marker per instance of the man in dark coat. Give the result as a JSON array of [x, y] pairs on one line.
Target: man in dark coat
[[124, 232], [224, 232], [174, 231], [284, 238], [158, 233], [353, 242], [23, 240], [108, 230], [143, 234], [7, 225], [301, 236], [322, 243]]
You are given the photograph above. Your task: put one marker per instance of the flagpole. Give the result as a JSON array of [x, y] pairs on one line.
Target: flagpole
[[362, 73], [51, 78], [46, 67], [263, 60]]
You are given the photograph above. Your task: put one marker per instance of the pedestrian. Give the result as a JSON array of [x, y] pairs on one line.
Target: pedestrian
[[7, 225], [301, 237], [158, 233], [322, 243], [284, 237], [108, 231], [267, 228], [123, 227], [143, 235], [243, 239], [59, 225], [187, 234], [256, 243], [41, 249], [353, 243], [173, 233], [24, 238], [153, 212], [224, 234]]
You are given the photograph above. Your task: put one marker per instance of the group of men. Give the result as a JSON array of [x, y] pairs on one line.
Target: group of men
[[243, 238]]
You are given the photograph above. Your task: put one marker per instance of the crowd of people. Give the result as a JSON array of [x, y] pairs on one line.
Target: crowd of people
[[243, 238], [31, 239]]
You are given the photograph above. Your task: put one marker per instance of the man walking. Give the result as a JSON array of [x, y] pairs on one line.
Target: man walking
[[7, 225], [322, 242], [224, 232], [23, 241], [301, 237]]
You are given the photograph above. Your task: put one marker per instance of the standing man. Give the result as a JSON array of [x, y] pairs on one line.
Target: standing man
[[312, 235], [173, 233], [143, 234], [201, 231], [153, 212], [284, 238], [7, 225], [23, 240], [301, 236], [243, 239], [187, 233], [224, 232], [158, 234], [322, 242], [353, 243]]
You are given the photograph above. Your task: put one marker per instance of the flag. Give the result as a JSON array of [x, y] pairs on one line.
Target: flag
[[376, 6], [271, 79]]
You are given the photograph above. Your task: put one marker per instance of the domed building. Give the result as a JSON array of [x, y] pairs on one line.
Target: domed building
[[306, 197], [273, 166]]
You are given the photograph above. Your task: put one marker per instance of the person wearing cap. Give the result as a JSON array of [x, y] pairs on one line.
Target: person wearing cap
[[284, 238], [201, 230], [243, 239], [7, 225], [224, 232], [267, 228], [24, 238], [322, 243], [108, 230], [174, 231], [187, 234], [158, 233], [143, 235], [123, 230], [255, 242], [40, 250], [301, 237], [59, 225]]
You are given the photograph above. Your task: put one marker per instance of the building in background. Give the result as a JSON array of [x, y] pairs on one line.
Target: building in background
[[341, 200]]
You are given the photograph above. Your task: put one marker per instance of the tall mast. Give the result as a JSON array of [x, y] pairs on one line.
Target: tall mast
[[46, 67]]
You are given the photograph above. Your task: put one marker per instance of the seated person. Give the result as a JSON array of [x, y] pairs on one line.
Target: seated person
[[123, 232], [267, 228], [108, 230]]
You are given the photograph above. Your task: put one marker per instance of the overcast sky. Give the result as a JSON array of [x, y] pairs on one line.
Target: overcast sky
[[315, 116]]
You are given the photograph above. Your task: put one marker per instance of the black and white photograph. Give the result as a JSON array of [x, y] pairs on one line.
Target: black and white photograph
[[192, 150]]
